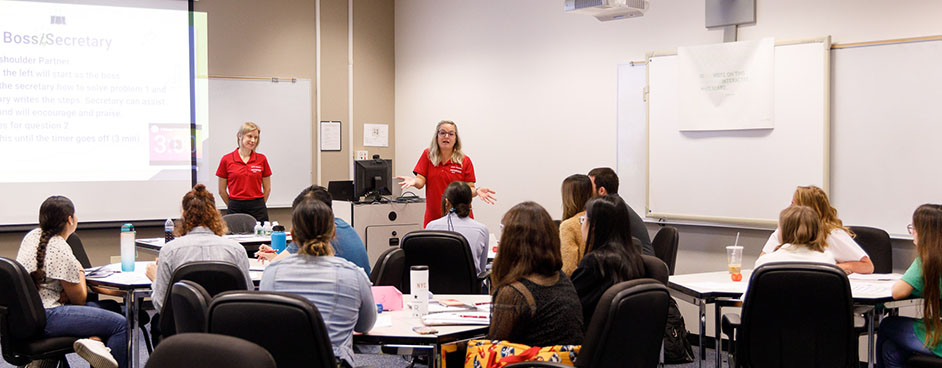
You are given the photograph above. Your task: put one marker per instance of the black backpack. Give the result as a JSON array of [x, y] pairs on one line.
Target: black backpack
[[677, 348]]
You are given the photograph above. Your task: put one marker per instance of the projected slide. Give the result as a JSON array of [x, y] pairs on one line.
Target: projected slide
[[94, 93], [102, 86]]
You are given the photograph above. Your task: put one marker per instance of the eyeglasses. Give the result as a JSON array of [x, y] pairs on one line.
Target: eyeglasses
[[910, 229], [442, 133], [581, 219]]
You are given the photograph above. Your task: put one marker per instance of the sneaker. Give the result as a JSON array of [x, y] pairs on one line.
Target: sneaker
[[95, 352]]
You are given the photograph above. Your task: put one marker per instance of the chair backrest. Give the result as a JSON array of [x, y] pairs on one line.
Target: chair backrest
[[22, 316], [190, 302], [78, 249], [239, 223], [797, 315], [215, 277], [292, 329], [449, 261], [389, 268], [665, 246], [876, 242], [627, 327], [654, 268], [201, 350]]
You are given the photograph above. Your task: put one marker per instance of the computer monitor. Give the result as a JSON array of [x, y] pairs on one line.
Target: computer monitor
[[372, 178]]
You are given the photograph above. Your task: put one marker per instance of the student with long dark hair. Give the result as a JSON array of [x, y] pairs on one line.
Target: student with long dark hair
[[577, 189], [456, 206], [60, 280], [534, 302], [339, 289], [901, 337], [611, 256]]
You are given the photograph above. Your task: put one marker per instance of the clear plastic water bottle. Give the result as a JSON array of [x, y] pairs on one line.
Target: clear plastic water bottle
[[266, 229], [258, 228], [127, 247], [168, 230], [278, 238]]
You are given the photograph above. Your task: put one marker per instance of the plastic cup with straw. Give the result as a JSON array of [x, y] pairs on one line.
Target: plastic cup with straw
[[734, 260]]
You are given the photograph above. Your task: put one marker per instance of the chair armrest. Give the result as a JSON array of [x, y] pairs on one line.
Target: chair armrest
[[731, 323], [537, 364], [484, 275]]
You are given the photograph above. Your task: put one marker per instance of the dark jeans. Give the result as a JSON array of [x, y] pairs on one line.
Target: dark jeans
[[896, 341], [89, 320], [254, 207]]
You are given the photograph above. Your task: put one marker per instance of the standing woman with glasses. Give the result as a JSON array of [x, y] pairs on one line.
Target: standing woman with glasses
[[901, 337], [441, 164]]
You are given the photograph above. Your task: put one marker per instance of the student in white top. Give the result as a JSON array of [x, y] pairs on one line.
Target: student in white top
[[802, 239], [456, 206], [838, 238]]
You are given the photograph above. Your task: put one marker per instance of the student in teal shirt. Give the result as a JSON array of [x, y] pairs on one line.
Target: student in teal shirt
[[901, 337]]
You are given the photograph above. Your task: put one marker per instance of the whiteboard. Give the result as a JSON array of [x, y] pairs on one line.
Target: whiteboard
[[887, 132], [283, 113], [744, 176]]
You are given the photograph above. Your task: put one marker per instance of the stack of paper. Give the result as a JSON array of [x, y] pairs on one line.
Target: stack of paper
[[457, 318]]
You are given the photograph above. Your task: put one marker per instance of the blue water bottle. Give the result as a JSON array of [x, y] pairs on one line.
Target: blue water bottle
[[127, 247], [278, 238]]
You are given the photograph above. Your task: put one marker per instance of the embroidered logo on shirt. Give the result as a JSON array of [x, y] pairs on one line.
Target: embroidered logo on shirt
[[255, 168]]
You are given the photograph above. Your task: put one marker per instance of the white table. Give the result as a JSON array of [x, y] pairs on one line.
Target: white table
[[871, 292], [401, 335]]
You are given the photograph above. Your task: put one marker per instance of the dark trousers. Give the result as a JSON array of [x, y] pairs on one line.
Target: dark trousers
[[254, 207]]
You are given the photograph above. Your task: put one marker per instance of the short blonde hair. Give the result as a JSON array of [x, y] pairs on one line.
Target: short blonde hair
[[800, 226], [435, 154], [247, 127]]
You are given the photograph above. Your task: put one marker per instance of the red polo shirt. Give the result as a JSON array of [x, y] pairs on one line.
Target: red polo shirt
[[244, 179], [437, 178]]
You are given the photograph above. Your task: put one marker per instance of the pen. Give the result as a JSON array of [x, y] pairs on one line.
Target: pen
[[482, 303], [470, 316]]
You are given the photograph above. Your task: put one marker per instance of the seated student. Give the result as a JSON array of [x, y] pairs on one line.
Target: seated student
[[199, 238], [60, 281], [802, 238], [901, 337], [838, 239], [577, 189], [456, 206], [534, 303], [605, 181], [347, 243], [611, 257], [339, 289]]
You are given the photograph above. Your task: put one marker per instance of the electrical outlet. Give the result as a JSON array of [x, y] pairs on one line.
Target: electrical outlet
[[361, 155]]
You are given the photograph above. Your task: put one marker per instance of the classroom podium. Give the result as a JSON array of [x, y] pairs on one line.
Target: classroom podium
[[381, 225]]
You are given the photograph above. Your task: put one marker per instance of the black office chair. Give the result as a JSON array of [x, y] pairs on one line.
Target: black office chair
[[190, 302], [215, 277], [449, 260], [626, 328], [240, 223], [304, 344], [389, 268], [876, 243], [654, 268], [794, 315], [203, 350], [923, 361], [22, 320], [665, 246]]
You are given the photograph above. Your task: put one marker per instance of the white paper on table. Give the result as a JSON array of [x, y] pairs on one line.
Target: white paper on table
[[256, 265], [383, 320], [376, 135], [736, 287], [871, 289], [875, 276]]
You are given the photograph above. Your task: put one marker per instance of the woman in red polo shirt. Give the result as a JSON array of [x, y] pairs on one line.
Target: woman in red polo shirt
[[440, 164], [244, 176]]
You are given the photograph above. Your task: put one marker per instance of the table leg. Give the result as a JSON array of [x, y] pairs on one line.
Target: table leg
[[702, 304], [435, 360], [131, 307], [871, 322], [718, 333]]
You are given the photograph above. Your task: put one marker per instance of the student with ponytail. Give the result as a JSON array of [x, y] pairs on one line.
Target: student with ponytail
[[60, 280], [338, 288], [199, 238], [901, 337], [456, 206]]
